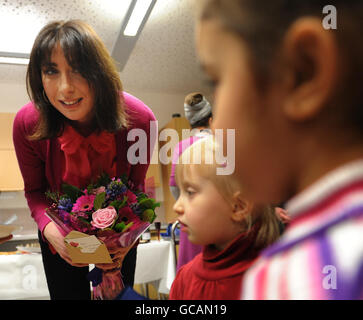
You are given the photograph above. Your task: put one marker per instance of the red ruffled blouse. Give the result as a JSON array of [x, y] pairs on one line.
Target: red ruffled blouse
[[85, 158]]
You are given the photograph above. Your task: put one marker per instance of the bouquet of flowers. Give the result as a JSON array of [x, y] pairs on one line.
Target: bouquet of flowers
[[113, 211]]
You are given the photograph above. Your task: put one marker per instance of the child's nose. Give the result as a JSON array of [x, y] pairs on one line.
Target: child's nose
[[178, 208]]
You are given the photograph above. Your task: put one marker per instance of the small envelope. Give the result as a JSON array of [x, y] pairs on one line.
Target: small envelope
[[84, 248], [6, 230]]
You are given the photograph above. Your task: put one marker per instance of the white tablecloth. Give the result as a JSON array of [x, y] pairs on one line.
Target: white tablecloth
[[22, 277], [155, 263]]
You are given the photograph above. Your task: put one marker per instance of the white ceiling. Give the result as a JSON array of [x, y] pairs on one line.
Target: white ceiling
[[163, 59]]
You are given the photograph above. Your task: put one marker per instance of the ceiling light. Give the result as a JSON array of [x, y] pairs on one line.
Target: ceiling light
[[137, 17], [14, 58]]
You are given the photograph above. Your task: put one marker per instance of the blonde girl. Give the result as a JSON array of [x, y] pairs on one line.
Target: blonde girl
[[214, 213]]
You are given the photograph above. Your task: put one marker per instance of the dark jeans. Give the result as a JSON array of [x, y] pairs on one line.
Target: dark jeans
[[66, 282]]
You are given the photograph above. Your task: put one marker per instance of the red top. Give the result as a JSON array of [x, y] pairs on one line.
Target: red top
[[43, 163], [96, 152], [213, 274]]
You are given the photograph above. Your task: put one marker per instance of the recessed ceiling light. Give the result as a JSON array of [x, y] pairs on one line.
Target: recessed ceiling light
[[137, 17]]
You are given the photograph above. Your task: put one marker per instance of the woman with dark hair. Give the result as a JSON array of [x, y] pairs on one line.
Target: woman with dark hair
[[75, 128]]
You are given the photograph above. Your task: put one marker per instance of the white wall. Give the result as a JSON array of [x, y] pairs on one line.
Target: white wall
[[12, 96], [162, 104]]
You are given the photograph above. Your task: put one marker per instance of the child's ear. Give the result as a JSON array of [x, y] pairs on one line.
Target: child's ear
[[240, 207], [312, 68]]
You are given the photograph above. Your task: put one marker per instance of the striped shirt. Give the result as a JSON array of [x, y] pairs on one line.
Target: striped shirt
[[320, 255]]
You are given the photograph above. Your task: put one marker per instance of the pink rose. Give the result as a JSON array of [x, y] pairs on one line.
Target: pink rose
[[103, 218]]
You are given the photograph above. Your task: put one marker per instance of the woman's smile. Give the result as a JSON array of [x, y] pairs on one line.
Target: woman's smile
[[71, 103], [67, 90]]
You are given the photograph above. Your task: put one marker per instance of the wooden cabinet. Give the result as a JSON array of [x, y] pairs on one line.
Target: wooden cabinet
[[177, 124], [10, 176]]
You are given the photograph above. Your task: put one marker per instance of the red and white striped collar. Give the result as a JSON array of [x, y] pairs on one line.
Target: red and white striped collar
[[336, 180], [335, 197]]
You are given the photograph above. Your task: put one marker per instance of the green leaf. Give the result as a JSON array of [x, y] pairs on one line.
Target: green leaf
[[127, 226], [54, 196], [149, 203], [148, 215], [119, 227], [99, 200], [141, 196], [73, 192], [155, 204], [124, 179], [83, 220], [90, 187], [103, 180], [117, 204], [146, 203]]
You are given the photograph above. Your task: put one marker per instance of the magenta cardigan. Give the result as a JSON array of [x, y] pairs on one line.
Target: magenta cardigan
[[40, 161]]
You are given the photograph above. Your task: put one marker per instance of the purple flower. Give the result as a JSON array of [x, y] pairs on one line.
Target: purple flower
[[115, 188], [65, 216], [136, 208], [65, 204]]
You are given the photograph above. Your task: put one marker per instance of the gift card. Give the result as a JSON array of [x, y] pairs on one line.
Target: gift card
[[84, 248]]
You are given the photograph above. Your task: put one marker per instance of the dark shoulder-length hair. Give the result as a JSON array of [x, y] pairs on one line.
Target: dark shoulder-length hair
[[86, 53]]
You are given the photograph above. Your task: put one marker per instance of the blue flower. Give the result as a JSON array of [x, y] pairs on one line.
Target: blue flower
[[115, 189], [65, 204], [136, 208], [65, 217]]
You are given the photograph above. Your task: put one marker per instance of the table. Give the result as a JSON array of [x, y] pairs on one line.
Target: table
[[155, 263], [22, 277]]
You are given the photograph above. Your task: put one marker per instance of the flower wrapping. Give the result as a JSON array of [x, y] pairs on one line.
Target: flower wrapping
[[112, 210]]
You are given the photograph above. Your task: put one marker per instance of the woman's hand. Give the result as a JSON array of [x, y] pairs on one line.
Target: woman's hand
[[2, 240], [56, 239], [117, 255]]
